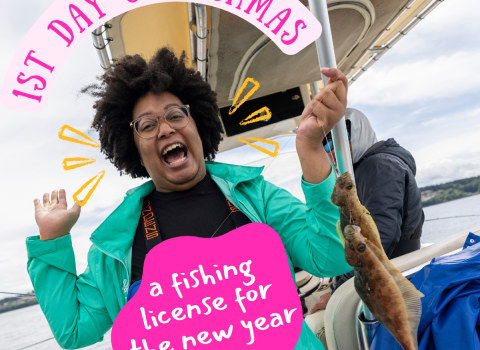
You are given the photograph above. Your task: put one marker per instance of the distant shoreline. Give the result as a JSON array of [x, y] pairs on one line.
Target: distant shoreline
[[15, 304], [451, 200], [437, 194]]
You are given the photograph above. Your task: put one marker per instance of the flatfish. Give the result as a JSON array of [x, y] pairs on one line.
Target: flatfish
[[352, 212], [392, 299]]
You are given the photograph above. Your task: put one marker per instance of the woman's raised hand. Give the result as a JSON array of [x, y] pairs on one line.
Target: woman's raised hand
[[53, 218], [318, 118], [325, 110]]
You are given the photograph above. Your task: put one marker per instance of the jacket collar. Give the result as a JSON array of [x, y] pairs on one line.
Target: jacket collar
[[233, 173], [115, 235], [389, 147]]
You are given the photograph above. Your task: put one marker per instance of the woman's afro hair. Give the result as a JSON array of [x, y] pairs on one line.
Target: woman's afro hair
[[132, 77]]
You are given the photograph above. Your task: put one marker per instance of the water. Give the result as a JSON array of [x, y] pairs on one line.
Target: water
[[27, 326], [435, 231], [23, 327]]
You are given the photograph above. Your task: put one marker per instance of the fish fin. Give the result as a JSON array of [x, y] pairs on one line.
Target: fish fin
[[340, 233], [411, 297], [374, 225], [410, 294], [369, 216]]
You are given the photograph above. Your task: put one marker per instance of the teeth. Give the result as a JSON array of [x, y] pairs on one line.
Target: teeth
[[169, 148], [178, 161]]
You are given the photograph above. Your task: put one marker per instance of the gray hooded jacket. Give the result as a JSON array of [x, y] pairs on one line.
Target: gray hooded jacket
[[386, 186]]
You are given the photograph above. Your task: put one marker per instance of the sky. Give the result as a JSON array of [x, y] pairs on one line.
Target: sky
[[424, 93]]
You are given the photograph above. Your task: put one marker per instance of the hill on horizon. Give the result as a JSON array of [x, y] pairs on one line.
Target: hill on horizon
[[449, 191]]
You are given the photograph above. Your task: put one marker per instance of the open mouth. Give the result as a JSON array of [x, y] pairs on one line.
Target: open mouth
[[175, 154]]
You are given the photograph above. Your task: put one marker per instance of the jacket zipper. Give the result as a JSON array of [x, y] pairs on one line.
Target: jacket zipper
[[248, 211], [125, 266], [244, 206]]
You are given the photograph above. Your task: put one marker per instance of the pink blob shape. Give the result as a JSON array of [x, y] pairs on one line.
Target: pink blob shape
[[257, 243]]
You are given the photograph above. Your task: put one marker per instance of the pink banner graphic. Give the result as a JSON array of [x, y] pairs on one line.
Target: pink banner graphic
[[231, 292], [51, 40]]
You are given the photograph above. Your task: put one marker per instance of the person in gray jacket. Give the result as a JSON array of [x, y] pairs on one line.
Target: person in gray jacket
[[386, 186]]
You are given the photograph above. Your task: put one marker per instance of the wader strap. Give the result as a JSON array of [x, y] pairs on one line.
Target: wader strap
[[151, 230], [239, 218]]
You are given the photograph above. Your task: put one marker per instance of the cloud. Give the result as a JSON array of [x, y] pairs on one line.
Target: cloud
[[435, 60], [20, 17], [447, 169], [442, 135], [419, 81], [448, 28], [433, 121], [454, 153], [424, 93]]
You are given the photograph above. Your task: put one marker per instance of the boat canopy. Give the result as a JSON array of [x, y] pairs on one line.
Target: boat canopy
[[227, 49]]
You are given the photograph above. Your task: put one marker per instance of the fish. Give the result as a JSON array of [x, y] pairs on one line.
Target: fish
[[392, 299], [352, 212]]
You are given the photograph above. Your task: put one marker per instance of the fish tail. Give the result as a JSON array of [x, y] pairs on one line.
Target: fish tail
[[411, 296]]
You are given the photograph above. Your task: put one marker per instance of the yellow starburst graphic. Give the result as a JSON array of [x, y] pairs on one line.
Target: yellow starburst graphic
[[261, 149], [82, 162], [89, 194], [264, 113], [61, 136], [87, 141]]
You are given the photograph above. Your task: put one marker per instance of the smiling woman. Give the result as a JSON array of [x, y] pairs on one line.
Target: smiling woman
[[133, 89], [173, 153], [161, 120]]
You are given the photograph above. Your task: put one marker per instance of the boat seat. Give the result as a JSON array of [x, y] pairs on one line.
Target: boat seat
[[340, 315], [316, 322]]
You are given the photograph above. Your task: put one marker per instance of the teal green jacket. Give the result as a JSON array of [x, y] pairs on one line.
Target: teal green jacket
[[81, 309]]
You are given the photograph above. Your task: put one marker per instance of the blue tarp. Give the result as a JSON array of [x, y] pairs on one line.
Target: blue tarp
[[450, 308]]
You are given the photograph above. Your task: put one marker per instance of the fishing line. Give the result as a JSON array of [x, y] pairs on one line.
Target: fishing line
[[43, 341], [452, 217], [291, 137], [329, 155], [221, 224]]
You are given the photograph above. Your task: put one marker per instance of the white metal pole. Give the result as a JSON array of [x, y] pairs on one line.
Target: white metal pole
[[201, 14], [101, 48], [326, 58], [314, 87]]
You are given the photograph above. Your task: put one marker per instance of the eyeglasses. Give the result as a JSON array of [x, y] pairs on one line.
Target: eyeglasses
[[148, 126], [328, 143]]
